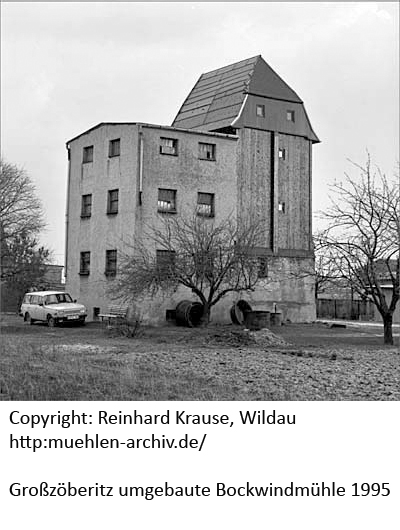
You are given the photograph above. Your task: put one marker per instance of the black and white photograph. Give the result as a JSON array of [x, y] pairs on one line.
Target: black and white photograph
[[200, 238]]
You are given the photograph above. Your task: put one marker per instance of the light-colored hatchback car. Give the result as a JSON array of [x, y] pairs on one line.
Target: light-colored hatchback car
[[52, 307]]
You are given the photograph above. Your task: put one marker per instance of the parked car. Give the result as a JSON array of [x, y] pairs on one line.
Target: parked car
[[52, 307]]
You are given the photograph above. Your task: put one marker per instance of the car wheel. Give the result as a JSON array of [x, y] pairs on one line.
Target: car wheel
[[51, 322], [28, 319]]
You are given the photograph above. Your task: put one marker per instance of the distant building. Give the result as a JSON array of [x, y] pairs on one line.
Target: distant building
[[240, 144]]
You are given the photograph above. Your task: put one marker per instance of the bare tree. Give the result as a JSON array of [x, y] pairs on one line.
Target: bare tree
[[363, 238], [20, 209], [211, 259]]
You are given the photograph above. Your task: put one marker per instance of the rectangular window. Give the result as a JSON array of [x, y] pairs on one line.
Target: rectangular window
[[86, 210], [290, 115], [281, 207], [263, 267], [111, 262], [205, 204], [168, 146], [206, 151], [166, 201], [112, 202], [282, 154], [114, 147], [87, 154], [84, 269], [260, 111], [165, 261]]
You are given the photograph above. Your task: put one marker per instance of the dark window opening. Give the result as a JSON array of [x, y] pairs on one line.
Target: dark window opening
[[114, 147], [205, 204], [260, 111], [290, 115], [96, 313], [166, 200], [84, 264], [207, 151], [262, 267], [281, 207], [165, 262], [282, 154], [168, 146], [111, 263], [86, 209], [112, 202], [87, 154]]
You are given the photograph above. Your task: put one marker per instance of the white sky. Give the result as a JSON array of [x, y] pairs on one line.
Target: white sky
[[68, 66]]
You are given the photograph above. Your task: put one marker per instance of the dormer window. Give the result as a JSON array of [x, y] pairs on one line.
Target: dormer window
[[260, 111], [290, 115]]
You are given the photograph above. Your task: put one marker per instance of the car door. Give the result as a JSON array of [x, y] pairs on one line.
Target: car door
[[40, 310]]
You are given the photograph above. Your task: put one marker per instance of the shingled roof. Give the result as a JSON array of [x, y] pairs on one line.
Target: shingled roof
[[217, 98]]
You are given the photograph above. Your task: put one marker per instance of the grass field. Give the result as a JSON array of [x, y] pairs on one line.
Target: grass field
[[306, 362]]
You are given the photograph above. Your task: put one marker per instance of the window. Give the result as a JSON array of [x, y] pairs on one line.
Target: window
[[111, 262], [290, 115], [165, 261], [282, 153], [85, 264], [114, 147], [96, 313], [112, 202], [262, 267], [281, 207], [86, 210], [206, 151], [168, 146], [87, 154], [205, 204], [260, 111], [166, 200]]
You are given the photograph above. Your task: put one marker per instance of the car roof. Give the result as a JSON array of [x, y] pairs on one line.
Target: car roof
[[44, 293]]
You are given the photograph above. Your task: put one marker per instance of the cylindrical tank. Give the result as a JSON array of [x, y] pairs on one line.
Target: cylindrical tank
[[189, 313]]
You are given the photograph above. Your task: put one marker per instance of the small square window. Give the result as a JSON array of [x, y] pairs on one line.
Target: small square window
[[86, 209], [87, 154], [84, 269], [114, 148], [290, 115], [206, 151], [281, 207], [166, 201], [169, 146], [282, 153], [111, 263], [260, 111], [205, 204], [112, 202]]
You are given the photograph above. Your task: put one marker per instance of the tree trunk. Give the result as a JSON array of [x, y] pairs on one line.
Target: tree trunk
[[387, 329], [205, 318]]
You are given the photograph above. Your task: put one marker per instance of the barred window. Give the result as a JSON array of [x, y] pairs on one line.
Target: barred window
[[206, 151], [168, 146], [112, 202], [87, 154], [205, 204], [111, 262], [166, 200], [84, 269], [86, 209], [114, 148]]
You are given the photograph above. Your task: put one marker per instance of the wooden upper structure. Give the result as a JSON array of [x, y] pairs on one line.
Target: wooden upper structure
[[226, 98]]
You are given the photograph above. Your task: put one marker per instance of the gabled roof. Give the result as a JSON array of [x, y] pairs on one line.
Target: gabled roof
[[217, 98]]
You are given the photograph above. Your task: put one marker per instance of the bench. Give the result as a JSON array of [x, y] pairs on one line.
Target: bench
[[114, 313]]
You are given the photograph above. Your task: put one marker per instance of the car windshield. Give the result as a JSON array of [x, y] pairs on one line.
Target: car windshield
[[59, 298]]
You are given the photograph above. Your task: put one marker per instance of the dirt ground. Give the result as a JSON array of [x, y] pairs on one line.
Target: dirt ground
[[292, 362]]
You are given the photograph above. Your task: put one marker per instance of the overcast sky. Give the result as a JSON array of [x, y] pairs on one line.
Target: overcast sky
[[68, 66]]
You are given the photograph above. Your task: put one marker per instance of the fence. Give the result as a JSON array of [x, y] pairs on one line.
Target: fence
[[346, 309]]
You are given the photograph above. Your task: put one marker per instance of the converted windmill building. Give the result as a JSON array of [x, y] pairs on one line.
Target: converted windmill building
[[241, 143]]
